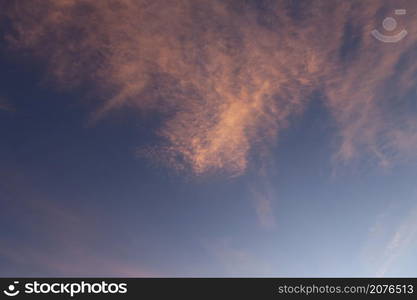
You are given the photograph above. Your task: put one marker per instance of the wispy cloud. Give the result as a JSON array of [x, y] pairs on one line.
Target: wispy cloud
[[401, 240], [391, 237], [227, 75], [48, 238], [264, 197], [236, 261], [264, 211]]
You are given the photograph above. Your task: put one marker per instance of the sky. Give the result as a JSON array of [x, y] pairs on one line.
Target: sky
[[196, 138]]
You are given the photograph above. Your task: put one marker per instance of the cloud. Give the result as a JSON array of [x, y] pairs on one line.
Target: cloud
[[226, 76], [235, 260], [64, 263], [263, 205], [401, 240], [48, 238], [390, 239], [263, 195]]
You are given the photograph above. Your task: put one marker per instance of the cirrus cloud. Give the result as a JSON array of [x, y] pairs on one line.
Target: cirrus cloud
[[228, 75]]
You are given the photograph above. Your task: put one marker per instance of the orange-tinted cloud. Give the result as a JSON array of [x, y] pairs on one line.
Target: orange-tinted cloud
[[227, 75]]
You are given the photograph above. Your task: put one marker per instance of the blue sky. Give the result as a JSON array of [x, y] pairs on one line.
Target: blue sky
[[253, 159]]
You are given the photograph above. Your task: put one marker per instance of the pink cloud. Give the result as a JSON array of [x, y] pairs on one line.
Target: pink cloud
[[229, 85]]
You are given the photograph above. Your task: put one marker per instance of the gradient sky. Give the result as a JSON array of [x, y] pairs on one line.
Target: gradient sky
[[207, 138]]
